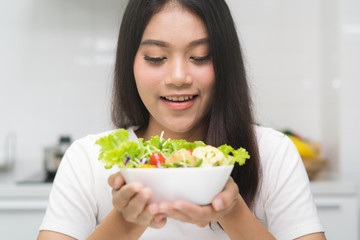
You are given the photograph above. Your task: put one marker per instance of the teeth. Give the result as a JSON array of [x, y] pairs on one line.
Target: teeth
[[179, 99]]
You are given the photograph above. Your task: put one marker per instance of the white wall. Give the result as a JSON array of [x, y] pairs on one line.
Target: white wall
[[56, 60], [281, 43], [292, 51]]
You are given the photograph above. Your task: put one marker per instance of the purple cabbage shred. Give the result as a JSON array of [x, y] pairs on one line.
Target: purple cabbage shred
[[143, 161], [127, 161]]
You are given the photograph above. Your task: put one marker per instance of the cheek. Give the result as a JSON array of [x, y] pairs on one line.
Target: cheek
[[145, 75], [207, 76]]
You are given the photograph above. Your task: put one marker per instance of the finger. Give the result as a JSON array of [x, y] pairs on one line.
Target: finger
[[151, 214], [136, 211], [116, 181], [158, 221], [193, 210], [202, 224], [183, 217], [180, 216], [190, 212], [165, 207], [227, 197], [122, 197]]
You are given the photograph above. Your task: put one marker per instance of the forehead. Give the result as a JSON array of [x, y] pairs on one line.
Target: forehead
[[174, 21]]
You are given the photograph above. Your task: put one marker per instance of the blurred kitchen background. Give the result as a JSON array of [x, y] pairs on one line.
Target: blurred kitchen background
[[56, 67]]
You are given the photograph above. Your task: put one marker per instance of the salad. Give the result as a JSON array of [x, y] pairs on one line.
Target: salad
[[117, 149]]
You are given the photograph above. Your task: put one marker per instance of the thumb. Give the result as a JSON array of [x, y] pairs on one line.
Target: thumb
[[116, 181]]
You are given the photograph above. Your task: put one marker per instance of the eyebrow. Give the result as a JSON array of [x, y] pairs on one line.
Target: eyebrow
[[164, 44], [199, 42], [154, 42]]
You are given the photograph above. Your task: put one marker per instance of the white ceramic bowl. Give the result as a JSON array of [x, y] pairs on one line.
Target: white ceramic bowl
[[197, 185]]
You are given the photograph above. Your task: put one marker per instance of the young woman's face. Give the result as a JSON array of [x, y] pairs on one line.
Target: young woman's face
[[174, 73]]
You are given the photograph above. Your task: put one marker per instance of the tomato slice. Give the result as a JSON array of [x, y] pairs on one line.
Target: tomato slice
[[190, 151], [156, 159]]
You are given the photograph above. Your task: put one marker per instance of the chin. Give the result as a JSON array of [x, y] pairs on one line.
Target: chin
[[187, 125], [181, 127], [177, 127]]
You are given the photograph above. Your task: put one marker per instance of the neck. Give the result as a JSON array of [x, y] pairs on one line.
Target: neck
[[197, 133]]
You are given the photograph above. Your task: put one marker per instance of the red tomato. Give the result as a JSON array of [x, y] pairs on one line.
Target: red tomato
[[190, 151], [156, 159]]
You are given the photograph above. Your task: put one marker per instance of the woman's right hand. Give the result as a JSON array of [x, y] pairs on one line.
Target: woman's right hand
[[132, 201]]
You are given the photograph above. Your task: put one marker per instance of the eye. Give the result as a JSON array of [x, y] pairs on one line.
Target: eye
[[155, 60], [201, 59]]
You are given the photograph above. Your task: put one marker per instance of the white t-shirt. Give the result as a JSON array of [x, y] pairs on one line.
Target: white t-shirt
[[81, 197]]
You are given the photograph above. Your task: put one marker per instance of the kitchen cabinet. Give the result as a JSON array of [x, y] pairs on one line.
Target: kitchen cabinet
[[22, 207], [338, 210]]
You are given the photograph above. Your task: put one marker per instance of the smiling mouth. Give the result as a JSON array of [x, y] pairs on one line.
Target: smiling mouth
[[179, 99]]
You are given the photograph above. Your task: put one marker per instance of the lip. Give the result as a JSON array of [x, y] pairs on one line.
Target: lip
[[179, 106]]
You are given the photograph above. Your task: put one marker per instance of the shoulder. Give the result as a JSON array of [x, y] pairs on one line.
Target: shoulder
[[270, 140], [84, 152], [278, 155], [285, 188], [90, 139], [267, 134], [88, 142]]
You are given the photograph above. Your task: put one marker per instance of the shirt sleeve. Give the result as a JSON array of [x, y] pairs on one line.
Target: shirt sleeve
[[72, 206], [288, 202]]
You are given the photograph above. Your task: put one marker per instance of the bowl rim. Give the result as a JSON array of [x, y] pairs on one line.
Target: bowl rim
[[178, 168]]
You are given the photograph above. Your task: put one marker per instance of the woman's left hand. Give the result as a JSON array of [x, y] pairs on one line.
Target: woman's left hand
[[221, 205]]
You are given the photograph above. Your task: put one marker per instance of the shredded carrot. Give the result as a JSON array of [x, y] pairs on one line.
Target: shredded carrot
[[147, 166]]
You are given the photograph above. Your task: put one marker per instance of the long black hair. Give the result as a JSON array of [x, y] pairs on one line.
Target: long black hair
[[230, 119]]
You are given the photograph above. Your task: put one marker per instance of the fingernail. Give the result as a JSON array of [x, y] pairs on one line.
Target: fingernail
[[160, 218], [218, 204]]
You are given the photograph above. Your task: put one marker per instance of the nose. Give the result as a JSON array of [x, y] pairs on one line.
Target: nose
[[178, 73]]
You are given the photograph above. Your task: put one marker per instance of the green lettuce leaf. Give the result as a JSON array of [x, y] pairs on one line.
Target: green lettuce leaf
[[117, 149], [234, 156]]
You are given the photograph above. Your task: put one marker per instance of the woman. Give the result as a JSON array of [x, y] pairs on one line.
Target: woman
[[179, 70]]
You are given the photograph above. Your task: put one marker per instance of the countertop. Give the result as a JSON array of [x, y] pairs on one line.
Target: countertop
[[14, 183], [333, 187]]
